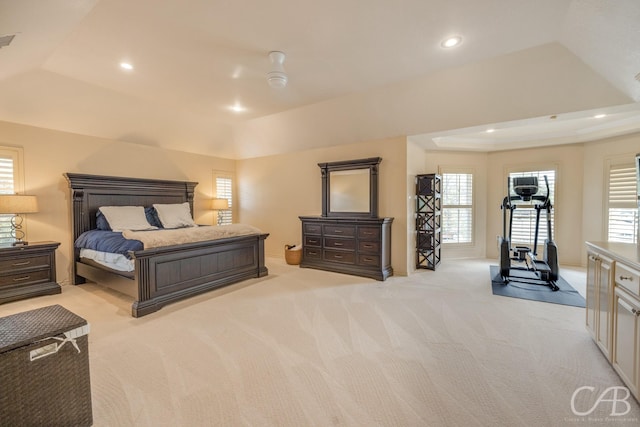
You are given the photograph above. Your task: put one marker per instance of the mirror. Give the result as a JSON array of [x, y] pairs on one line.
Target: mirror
[[349, 191], [350, 188]]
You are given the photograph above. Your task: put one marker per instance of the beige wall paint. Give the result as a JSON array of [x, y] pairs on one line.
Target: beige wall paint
[[416, 165], [597, 154], [274, 190], [49, 154]]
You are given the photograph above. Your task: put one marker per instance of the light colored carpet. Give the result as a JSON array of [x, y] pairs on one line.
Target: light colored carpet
[[303, 347]]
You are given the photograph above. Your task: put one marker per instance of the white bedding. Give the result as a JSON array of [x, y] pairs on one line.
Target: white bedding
[[114, 261], [168, 237]]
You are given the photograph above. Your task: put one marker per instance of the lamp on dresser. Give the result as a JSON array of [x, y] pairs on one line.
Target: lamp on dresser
[[219, 205], [16, 205]]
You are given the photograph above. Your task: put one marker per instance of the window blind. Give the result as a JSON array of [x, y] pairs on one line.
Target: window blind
[[6, 187], [457, 208], [622, 208], [524, 216], [224, 190]]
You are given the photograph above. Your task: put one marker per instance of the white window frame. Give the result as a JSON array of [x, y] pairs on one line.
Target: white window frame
[[225, 192], [16, 155], [527, 209], [442, 170], [623, 199]]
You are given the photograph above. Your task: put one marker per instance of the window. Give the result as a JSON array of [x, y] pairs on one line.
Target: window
[[9, 184], [224, 190], [457, 207], [622, 212], [524, 216]]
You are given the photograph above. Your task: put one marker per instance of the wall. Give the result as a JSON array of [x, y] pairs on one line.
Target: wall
[[596, 155], [49, 154], [274, 190]]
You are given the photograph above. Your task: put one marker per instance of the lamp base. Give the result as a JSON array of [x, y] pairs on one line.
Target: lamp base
[[19, 243]]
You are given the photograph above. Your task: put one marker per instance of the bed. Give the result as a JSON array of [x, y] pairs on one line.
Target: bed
[[161, 275]]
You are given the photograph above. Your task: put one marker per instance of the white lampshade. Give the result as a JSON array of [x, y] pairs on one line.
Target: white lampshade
[[219, 204], [18, 204]]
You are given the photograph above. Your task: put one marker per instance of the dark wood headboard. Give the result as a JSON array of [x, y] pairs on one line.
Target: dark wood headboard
[[90, 192]]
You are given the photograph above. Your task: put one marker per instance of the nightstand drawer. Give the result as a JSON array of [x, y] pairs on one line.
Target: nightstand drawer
[[41, 261], [312, 229], [25, 278]]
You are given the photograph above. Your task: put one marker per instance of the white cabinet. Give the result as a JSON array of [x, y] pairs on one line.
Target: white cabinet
[[599, 300], [613, 306], [626, 332]]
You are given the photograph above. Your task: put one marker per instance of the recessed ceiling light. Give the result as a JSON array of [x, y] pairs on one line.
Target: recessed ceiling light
[[599, 116], [490, 130], [451, 42], [237, 108], [126, 66]]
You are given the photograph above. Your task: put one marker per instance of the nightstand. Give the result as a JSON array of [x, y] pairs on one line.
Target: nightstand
[[28, 271]]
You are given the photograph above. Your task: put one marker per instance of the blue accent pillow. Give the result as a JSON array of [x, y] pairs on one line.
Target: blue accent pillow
[[149, 212]]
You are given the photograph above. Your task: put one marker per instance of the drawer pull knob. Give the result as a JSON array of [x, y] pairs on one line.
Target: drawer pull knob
[[337, 256], [626, 278], [368, 259], [337, 231], [313, 241], [16, 264], [20, 279], [313, 253], [368, 246], [338, 244], [367, 232]]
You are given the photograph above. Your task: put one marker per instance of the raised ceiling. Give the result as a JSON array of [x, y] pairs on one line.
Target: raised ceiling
[[358, 70]]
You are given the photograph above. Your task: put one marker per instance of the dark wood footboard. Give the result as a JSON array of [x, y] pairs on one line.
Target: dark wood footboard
[[172, 273]]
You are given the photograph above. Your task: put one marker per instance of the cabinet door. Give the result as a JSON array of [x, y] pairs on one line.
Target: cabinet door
[[604, 305], [626, 339], [592, 269]]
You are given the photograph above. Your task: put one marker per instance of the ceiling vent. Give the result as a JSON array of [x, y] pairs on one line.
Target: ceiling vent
[[6, 40]]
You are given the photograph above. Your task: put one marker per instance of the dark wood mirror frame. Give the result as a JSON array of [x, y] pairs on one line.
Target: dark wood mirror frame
[[371, 164]]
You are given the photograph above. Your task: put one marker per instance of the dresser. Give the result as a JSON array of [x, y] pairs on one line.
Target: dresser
[[358, 246], [28, 271]]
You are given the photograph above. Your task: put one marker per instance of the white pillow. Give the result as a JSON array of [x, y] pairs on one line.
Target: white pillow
[[122, 218], [175, 215]]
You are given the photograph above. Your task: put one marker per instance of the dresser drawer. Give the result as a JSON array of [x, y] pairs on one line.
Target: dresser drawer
[[332, 242], [369, 260], [39, 261], [628, 278], [339, 256], [313, 253], [369, 233], [369, 247], [312, 241], [312, 229], [339, 230], [25, 278]]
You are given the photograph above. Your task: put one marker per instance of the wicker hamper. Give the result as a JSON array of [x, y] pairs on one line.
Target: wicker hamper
[[44, 379], [292, 254]]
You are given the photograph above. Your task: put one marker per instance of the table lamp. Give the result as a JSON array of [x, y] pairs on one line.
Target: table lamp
[[16, 205], [219, 205]]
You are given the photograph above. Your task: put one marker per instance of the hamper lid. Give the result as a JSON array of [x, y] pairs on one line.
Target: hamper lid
[[20, 329]]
